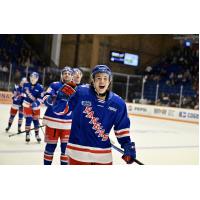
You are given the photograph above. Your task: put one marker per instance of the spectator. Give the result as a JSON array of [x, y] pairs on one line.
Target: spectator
[[17, 76], [5, 68]]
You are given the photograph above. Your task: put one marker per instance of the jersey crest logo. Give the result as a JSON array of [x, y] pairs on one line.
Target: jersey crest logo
[[86, 103], [96, 125]]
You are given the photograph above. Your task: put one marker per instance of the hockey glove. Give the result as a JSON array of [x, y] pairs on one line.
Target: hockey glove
[[129, 152], [17, 99], [35, 104], [66, 91]]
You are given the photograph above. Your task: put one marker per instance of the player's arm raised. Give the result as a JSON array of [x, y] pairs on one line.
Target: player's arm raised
[[64, 95]]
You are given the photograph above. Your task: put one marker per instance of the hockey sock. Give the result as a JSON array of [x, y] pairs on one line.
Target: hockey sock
[[27, 138], [36, 132], [19, 128], [48, 153], [28, 123], [36, 126], [19, 124], [36, 123], [13, 112], [11, 120], [63, 156], [20, 119]]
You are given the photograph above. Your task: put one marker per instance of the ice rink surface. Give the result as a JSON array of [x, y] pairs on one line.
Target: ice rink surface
[[158, 142]]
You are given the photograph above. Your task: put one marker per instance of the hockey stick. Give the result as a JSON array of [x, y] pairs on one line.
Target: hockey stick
[[23, 131], [41, 128], [122, 152]]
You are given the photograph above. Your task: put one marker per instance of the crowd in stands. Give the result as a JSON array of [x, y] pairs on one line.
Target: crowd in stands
[[176, 73], [15, 50], [178, 69]]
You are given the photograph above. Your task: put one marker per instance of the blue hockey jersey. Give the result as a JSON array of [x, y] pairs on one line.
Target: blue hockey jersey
[[32, 93], [92, 121], [51, 119]]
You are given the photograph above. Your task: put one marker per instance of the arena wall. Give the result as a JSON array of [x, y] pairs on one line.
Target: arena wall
[[158, 112], [5, 97], [167, 113]]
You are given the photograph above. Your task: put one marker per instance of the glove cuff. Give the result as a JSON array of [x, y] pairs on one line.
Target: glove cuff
[[128, 145]]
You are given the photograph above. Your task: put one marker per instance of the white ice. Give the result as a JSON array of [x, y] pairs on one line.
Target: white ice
[[158, 142]]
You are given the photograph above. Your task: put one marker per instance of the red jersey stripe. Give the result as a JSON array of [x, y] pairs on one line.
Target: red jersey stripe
[[121, 133], [88, 150]]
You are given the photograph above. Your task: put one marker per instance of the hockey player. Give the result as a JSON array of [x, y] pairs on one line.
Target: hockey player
[[95, 111], [17, 105], [57, 125], [77, 76], [33, 94]]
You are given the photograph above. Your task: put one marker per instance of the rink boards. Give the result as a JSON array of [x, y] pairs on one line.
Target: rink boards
[[168, 113]]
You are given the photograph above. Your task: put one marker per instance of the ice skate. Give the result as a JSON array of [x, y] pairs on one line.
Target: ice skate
[[38, 138], [19, 130], [7, 129], [27, 137]]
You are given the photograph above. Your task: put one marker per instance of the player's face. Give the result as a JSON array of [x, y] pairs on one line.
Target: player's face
[[33, 79], [24, 80], [101, 82], [77, 76], [66, 76]]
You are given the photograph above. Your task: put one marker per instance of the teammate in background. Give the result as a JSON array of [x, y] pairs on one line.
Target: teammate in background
[[33, 94], [57, 125], [77, 76], [17, 105], [95, 111]]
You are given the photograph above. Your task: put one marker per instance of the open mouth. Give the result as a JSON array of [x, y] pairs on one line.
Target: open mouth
[[101, 87]]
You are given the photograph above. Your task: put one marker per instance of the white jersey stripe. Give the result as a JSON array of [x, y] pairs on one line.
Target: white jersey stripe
[[89, 156], [58, 125]]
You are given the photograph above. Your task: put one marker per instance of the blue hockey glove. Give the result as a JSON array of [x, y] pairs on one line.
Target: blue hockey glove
[[17, 99], [129, 152], [35, 104]]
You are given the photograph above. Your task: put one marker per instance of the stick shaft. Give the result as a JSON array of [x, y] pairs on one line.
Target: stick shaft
[[23, 131]]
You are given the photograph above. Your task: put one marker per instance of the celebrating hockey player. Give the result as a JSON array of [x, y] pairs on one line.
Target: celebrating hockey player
[[33, 94], [95, 111], [57, 125], [77, 76], [17, 105]]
